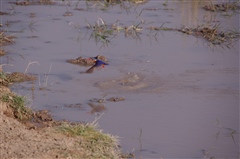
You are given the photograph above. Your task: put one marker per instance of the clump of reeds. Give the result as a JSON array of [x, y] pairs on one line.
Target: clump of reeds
[[6, 39], [101, 32], [213, 34], [222, 7], [33, 2]]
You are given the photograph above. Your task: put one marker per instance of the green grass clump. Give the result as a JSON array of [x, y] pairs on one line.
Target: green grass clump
[[17, 103], [95, 143]]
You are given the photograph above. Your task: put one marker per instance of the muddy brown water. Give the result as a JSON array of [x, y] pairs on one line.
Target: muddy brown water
[[181, 94]]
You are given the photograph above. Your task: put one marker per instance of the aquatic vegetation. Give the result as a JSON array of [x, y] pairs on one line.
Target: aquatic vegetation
[[6, 39], [96, 108], [35, 2], [207, 153], [213, 34], [45, 81], [222, 7], [101, 32]]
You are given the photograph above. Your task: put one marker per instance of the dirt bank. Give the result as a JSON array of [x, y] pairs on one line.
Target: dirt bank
[[29, 134]]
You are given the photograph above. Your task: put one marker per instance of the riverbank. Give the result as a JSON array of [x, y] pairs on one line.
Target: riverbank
[[29, 134]]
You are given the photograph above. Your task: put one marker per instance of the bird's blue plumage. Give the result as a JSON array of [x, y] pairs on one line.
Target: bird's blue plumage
[[99, 63]]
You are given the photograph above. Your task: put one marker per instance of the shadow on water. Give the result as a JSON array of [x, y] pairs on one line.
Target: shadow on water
[[170, 89]]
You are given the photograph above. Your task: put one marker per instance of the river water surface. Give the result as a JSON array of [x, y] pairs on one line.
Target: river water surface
[[181, 93]]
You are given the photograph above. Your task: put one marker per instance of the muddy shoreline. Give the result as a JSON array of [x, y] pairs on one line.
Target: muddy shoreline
[[171, 78], [37, 135]]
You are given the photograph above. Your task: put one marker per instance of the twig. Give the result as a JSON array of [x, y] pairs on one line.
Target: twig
[[96, 119], [49, 70], [30, 62]]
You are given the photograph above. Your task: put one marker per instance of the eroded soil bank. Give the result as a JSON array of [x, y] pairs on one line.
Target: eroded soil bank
[[28, 134]]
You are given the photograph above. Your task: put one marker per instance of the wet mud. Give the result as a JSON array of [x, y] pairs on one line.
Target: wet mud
[[90, 61], [132, 82], [7, 79]]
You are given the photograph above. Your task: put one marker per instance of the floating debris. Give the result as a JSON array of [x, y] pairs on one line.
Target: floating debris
[[3, 13], [138, 1], [161, 28], [97, 100], [120, 1], [212, 34], [222, 7], [32, 15], [2, 52], [37, 2], [96, 108], [77, 105], [23, 3], [116, 99], [66, 14], [102, 100]]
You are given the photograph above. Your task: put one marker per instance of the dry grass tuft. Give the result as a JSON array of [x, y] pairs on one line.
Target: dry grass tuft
[[222, 7], [95, 143], [6, 39]]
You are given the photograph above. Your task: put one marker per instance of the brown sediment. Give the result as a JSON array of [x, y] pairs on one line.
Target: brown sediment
[[86, 61], [3, 13], [96, 108], [2, 52], [6, 79]]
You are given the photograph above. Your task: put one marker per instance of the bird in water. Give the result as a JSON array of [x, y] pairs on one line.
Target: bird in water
[[98, 64]]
